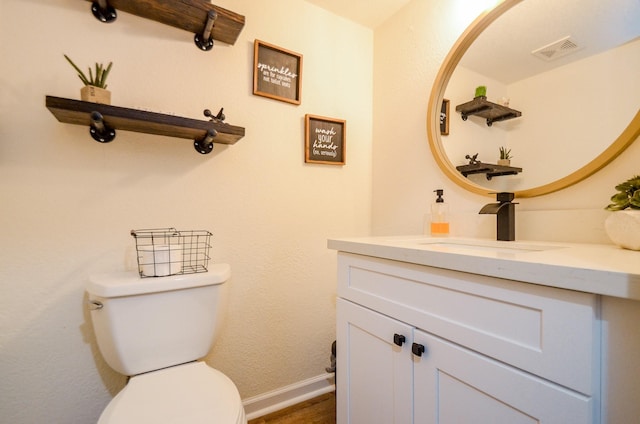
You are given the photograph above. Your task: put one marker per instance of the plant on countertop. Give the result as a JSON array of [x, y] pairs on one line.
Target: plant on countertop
[[505, 153], [628, 195], [97, 80]]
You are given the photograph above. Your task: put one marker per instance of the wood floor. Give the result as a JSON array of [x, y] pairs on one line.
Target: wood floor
[[319, 410]]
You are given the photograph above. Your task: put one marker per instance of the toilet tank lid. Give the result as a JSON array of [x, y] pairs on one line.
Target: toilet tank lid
[[129, 283]]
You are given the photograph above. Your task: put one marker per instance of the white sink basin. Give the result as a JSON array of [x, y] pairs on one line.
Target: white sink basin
[[488, 246]]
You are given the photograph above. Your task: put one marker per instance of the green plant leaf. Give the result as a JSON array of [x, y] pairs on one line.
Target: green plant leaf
[[81, 74], [98, 75], [615, 207], [505, 153], [100, 78], [105, 74], [634, 201], [619, 198], [628, 195]]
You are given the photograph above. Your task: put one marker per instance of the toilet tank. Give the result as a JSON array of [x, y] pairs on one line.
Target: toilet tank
[[145, 324]]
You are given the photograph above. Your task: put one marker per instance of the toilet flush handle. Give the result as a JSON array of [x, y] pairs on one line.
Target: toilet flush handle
[[94, 305]]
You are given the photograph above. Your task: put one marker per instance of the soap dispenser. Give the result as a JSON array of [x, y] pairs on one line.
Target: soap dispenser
[[439, 216]]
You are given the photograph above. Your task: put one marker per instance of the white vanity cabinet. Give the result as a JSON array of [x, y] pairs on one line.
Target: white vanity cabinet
[[420, 344]]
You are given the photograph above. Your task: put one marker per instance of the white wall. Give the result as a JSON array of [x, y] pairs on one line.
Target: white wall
[[68, 203], [603, 89], [409, 50]]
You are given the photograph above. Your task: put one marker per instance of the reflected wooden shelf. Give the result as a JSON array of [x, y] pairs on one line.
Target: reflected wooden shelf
[[80, 113], [189, 15], [483, 108], [491, 170]]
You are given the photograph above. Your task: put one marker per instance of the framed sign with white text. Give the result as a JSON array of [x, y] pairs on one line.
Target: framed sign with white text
[[277, 73], [325, 140]]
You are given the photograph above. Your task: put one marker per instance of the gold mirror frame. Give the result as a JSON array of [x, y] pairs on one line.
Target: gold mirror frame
[[628, 136]]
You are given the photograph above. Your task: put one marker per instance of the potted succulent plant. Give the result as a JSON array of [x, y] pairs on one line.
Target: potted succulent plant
[[95, 86], [505, 157], [623, 226]]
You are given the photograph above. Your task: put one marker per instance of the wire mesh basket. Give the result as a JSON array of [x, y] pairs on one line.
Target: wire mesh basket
[[167, 251]]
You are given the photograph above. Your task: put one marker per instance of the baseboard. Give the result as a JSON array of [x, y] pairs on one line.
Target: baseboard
[[258, 406]]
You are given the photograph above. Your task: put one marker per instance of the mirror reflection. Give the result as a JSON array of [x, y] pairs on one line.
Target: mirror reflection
[[569, 67]]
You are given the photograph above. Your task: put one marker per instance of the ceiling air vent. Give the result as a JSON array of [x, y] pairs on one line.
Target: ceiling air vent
[[557, 49]]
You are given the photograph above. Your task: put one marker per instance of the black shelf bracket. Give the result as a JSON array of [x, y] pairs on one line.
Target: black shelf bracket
[[204, 41], [103, 12], [205, 145], [99, 130]]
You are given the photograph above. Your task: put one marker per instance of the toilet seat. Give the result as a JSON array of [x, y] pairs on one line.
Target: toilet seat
[[192, 393]]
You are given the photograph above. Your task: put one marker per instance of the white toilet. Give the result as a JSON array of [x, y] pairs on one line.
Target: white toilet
[[155, 330]]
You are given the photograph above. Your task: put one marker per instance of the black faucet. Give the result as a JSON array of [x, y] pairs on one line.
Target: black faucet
[[506, 211]]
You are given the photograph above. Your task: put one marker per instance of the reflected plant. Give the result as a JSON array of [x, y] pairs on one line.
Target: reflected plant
[[505, 153]]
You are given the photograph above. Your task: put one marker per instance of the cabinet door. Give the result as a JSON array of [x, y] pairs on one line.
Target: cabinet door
[[373, 373], [454, 385]]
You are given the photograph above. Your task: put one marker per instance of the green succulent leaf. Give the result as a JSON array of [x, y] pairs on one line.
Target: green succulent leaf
[[628, 195], [615, 207], [634, 201], [619, 198]]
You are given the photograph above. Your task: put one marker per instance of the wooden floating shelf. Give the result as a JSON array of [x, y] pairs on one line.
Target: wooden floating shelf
[[489, 169], [483, 108], [189, 15], [79, 113]]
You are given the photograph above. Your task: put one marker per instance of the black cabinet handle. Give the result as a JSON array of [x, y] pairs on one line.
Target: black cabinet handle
[[418, 349], [399, 339]]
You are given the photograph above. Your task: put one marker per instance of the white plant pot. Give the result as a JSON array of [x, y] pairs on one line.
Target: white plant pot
[[504, 162], [623, 228]]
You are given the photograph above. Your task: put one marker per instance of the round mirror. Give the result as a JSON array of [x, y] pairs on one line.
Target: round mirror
[[562, 95]]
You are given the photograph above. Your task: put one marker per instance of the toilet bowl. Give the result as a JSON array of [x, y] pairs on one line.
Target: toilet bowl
[[157, 330], [192, 394]]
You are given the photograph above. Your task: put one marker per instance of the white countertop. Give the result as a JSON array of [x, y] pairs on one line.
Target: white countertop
[[593, 268]]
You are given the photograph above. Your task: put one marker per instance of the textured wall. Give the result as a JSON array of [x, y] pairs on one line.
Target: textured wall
[[68, 202]]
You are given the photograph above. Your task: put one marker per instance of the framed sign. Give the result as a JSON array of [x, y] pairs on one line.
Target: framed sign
[[444, 117], [277, 73], [325, 140]]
